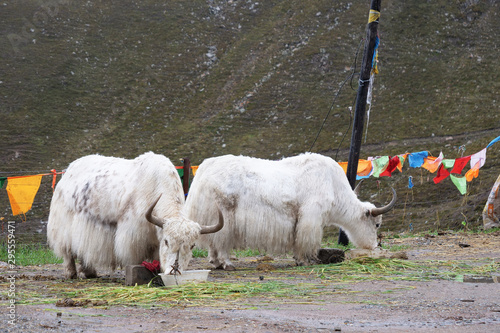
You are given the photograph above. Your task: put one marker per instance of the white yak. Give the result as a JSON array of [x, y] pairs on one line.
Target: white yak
[[110, 212], [278, 206]]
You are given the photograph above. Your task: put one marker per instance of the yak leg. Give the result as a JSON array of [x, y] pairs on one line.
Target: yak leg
[[86, 271], [308, 235], [220, 260], [69, 266]]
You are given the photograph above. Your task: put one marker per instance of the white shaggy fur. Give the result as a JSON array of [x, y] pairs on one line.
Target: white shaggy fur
[[97, 214], [277, 206]]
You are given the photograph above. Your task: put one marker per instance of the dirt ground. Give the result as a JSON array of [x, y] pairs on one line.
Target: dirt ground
[[364, 306]]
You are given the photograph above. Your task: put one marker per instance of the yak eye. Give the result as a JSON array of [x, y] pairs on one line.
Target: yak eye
[[166, 242], [377, 225], [192, 246]]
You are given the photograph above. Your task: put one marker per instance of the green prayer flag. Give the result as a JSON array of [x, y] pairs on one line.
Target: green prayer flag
[[2, 180], [180, 172], [379, 164], [448, 163], [460, 183]]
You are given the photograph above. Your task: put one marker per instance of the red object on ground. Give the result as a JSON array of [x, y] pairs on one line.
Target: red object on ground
[[153, 267]]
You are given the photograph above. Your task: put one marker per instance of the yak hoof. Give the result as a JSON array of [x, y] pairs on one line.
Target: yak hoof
[[229, 268]]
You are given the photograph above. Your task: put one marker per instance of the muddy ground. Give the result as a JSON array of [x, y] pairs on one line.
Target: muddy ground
[[362, 306]]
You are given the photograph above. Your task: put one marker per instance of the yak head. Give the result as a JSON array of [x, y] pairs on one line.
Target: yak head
[[369, 220], [177, 238]]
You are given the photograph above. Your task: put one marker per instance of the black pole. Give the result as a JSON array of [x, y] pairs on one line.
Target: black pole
[[359, 112], [185, 178]]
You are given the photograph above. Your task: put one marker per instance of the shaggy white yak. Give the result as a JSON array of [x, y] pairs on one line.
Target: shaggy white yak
[[111, 212], [278, 206]]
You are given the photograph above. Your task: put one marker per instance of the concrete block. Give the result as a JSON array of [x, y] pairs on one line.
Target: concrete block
[[481, 279], [377, 253], [137, 274]]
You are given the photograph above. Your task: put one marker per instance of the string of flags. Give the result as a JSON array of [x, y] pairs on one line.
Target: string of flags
[[384, 166], [23, 189]]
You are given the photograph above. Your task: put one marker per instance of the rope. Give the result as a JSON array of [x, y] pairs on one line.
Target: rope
[[349, 77]]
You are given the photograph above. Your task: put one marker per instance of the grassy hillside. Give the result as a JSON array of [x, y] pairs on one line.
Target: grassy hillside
[[204, 78]]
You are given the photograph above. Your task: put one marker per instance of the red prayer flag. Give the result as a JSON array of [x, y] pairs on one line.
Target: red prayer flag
[[391, 166], [460, 164], [441, 174]]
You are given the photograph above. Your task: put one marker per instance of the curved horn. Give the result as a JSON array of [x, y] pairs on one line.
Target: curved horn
[[356, 188], [152, 219], [385, 209], [213, 228]]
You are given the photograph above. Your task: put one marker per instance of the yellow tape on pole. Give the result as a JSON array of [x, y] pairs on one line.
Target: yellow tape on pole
[[374, 15]]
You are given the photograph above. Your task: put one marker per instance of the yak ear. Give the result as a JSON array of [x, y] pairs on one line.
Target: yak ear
[[153, 219]]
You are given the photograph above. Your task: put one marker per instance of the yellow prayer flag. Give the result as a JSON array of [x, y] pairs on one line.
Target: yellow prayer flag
[[194, 168], [22, 191]]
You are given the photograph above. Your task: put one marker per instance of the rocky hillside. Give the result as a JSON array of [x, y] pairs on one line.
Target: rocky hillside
[[204, 78]]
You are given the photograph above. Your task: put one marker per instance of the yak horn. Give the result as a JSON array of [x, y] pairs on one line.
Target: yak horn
[[213, 228], [356, 188], [385, 209], [152, 219]]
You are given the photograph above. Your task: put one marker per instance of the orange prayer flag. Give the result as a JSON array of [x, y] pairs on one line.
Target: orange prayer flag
[[431, 164], [473, 173], [364, 167], [22, 191], [402, 159], [344, 166], [194, 168]]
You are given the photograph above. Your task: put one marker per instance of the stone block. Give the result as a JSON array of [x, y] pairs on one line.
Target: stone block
[[137, 274]]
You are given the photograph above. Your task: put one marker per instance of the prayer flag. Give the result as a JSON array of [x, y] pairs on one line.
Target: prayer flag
[[460, 183], [441, 174], [379, 165], [363, 171], [478, 157], [417, 159], [391, 166], [459, 164], [402, 159], [473, 173], [448, 163], [432, 163], [365, 168], [22, 191], [194, 168]]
